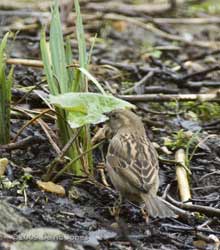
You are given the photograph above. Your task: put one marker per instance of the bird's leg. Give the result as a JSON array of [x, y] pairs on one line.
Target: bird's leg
[[115, 210], [145, 215]]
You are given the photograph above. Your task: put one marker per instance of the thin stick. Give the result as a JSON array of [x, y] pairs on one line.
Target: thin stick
[[45, 128], [74, 160], [28, 141], [150, 27], [171, 97], [30, 122], [60, 155], [209, 211], [25, 62], [139, 83], [182, 178]]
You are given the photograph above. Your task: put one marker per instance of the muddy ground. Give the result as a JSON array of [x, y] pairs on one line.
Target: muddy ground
[[183, 58]]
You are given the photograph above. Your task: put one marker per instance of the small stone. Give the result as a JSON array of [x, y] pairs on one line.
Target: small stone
[[114, 225], [11, 220]]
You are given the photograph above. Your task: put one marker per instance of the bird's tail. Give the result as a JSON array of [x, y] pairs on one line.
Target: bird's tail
[[157, 207]]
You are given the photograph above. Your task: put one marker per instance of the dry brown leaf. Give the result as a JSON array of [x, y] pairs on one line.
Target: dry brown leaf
[[102, 133], [193, 67], [3, 165], [119, 26], [51, 187]]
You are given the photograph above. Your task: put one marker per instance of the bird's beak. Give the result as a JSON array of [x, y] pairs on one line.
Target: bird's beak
[[108, 114]]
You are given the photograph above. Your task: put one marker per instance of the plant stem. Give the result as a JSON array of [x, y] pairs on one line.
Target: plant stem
[[74, 161]]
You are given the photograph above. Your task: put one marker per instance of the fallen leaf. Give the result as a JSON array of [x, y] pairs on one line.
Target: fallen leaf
[[193, 66], [95, 236], [51, 187], [102, 133], [3, 165], [119, 26], [199, 243]]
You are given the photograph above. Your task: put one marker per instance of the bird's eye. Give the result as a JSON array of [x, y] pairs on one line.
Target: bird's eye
[[114, 116]]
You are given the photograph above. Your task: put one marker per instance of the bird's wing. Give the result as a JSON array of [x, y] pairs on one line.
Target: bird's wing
[[135, 159]]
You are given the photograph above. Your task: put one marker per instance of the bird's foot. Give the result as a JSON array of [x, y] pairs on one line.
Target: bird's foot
[[145, 215], [115, 210]]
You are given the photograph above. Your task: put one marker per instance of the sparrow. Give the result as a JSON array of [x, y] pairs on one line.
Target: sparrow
[[132, 164]]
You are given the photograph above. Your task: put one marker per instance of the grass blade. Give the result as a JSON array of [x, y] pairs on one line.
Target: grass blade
[[45, 53], [72, 84], [5, 95], [83, 62], [92, 78], [58, 56]]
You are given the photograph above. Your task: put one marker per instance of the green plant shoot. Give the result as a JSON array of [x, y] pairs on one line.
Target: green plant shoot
[[5, 95]]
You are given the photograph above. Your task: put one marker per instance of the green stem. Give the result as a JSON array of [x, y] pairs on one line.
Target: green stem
[[65, 132], [74, 161]]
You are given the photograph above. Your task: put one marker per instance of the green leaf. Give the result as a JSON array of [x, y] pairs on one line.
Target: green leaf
[[72, 84], [2, 59], [83, 62], [86, 108], [45, 53], [93, 79], [80, 36], [156, 53], [5, 94], [58, 56], [91, 48]]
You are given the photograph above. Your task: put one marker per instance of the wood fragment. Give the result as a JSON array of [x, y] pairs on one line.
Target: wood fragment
[[128, 9], [171, 97], [25, 62], [152, 28], [209, 211], [182, 177], [189, 21], [28, 141]]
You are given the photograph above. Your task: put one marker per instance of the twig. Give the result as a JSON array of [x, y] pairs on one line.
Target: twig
[[19, 94], [30, 140], [209, 211], [160, 90], [60, 156], [182, 178], [32, 63], [123, 66], [11, 5], [128, 9], [24, 13], [190, 21], [138, 84], [152, 123], [200, 73], [47, 130], [171, 97], [142, 106], [201, 55], [160, 72], [30, 122], [25, 62], [200, 84], [73, 161], [29, 92], [177, 228], [150, 27]]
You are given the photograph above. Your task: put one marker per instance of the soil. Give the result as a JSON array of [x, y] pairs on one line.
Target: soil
[[126, 48]]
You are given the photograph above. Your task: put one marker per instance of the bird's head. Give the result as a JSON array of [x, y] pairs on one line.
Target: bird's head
[[125, 119]]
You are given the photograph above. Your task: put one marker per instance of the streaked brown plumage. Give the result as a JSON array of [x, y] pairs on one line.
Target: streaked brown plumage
[[132, 163]]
